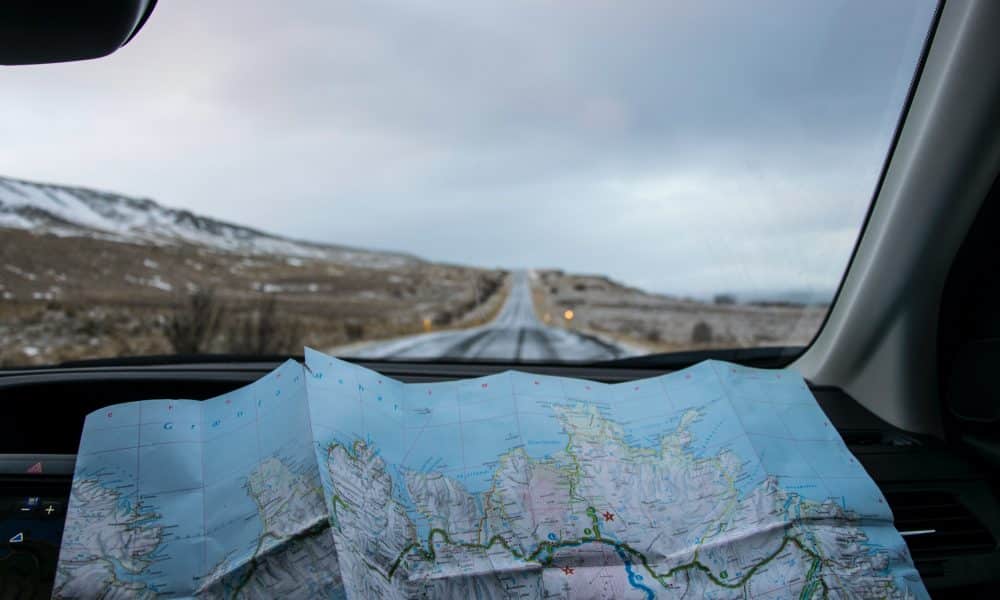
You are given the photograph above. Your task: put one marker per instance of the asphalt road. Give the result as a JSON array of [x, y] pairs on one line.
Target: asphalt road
[[516, 335]]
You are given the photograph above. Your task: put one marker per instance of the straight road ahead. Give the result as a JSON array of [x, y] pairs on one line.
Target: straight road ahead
[[516, 334]]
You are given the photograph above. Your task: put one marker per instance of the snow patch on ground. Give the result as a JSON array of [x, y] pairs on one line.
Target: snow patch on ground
[[20, 272], [78, 212], [156, 282]]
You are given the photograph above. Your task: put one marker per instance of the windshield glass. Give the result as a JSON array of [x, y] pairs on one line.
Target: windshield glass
[[512, 181]]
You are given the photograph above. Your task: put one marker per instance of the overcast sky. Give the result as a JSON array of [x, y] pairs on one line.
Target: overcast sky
[[684, 147]]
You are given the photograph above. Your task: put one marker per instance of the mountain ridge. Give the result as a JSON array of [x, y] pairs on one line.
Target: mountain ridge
[[76, 211]]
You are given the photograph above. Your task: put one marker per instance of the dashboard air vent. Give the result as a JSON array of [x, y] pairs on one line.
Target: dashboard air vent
[[935, 524]]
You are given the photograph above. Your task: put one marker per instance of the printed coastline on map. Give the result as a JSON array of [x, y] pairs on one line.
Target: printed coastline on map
[[717, 481], [216, 498]]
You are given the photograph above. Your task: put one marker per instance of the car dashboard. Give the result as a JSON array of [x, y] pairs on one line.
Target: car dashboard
[[945, 505]]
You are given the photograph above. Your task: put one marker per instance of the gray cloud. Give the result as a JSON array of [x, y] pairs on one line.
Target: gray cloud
[[686, 147]]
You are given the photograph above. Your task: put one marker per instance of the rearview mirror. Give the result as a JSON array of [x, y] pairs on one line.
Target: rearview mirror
[[48, 31]]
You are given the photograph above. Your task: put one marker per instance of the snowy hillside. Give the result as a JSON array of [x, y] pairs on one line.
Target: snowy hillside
[[80, 212]]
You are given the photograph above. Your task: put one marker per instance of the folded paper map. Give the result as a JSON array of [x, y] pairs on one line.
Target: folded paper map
[[330, 480]]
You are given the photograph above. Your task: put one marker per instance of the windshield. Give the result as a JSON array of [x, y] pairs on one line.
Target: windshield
[[508, 181]]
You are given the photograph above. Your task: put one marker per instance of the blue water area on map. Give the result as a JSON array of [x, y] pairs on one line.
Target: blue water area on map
[[693, 386], [180, 556], [116, 469], [426, 450], [429, 405], [169, 467], [233, 527], [119, 415], [483, 443], [634, 579]]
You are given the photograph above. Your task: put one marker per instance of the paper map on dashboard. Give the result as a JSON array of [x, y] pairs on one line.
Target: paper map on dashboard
[[717, 481]]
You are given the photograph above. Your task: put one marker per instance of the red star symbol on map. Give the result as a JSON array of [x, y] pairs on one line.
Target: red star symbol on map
[[609, 516], [568, 570]]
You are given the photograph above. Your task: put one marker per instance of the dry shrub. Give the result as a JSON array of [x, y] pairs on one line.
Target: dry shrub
[[701, 333], [195, 322], [265, 331], [354, 330]]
